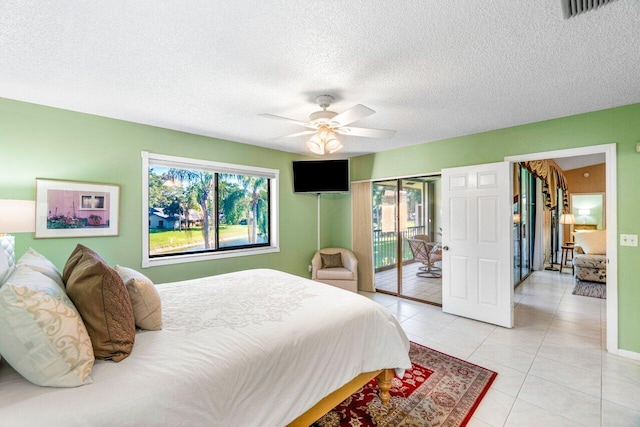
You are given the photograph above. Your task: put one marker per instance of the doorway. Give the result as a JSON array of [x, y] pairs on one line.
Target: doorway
[[406, 212], [609, 217], [467, 293]]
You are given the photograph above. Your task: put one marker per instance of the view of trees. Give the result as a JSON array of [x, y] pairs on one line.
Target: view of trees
[[236, 212]]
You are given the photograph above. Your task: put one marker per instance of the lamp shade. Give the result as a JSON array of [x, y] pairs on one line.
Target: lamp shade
[[315, 145], [324, 140], [567, 219], [17, 216]]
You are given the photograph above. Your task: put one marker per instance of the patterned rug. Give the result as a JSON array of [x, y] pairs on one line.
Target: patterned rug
[[439, 390], [590, 289]]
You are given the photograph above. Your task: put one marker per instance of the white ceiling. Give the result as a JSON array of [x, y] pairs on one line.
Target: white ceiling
[[577, 162], [431, 70]]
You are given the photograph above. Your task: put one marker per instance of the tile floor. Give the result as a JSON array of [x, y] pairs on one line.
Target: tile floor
[[552, 366], [427, 289]]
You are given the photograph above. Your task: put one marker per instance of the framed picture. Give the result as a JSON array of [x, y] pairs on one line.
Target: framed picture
[[76, 209]]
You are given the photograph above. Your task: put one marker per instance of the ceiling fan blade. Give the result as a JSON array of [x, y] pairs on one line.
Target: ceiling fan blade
[[366, 132], [353, 114], [304, 132], [271, 116]]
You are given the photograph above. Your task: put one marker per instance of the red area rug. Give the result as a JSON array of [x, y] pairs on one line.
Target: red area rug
[[439, 390]]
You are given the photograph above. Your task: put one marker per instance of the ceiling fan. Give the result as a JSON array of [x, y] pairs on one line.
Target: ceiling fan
[[326, 124]]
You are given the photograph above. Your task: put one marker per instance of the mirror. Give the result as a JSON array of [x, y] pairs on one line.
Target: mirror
[[588, 209]]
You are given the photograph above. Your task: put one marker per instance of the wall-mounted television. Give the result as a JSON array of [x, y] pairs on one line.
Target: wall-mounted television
[[321, 176]]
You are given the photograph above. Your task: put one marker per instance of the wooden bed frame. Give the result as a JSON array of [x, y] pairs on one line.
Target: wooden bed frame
[[332, 400]]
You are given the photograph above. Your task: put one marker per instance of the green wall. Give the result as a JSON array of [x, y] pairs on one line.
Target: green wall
[[38, 141], [43, 142], [335, 213], [617, 125]]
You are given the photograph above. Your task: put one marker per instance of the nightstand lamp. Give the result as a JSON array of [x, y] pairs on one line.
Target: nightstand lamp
[[567, 219], [16, 216]]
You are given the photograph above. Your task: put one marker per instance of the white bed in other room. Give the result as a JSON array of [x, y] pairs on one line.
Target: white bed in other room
[[252, 348]]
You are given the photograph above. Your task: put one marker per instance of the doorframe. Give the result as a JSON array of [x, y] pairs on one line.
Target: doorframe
[[611, 215]]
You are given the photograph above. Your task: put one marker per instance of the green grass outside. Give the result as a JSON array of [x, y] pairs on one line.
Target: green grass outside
[[161, 240], [165, 240]]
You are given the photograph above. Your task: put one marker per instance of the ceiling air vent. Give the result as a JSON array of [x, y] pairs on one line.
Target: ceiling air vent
[[576, 7]]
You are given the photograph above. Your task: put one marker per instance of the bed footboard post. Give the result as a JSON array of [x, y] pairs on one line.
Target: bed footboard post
[[384, 384]]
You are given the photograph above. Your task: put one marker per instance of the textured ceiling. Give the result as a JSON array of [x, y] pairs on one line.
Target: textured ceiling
[[431, 70]]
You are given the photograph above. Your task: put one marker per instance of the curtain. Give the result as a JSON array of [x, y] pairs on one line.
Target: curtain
[[552, 179], [540, 234], [362, 233]]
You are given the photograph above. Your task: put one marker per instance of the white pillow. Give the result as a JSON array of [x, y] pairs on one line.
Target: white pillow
[[38, 262], [592, 242], [41, 333], [5, 266], [145, 299]]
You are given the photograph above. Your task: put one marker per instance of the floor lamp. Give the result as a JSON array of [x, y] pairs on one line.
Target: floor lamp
[[567, 219], [552, 258], [16, 216]]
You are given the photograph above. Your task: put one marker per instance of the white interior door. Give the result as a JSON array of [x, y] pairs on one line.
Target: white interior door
[[476, 239]]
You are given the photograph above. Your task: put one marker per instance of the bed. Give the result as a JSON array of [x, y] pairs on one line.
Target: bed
[[252, 348]]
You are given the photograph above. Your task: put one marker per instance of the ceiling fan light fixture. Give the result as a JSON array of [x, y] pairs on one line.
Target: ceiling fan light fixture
[[333, 145], [315, 145], [325, 124], [324, 140]]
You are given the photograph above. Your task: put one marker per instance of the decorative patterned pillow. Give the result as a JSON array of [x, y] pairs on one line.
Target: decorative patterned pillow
[[147, 307], [41, 333], [103, 302], [331, 260], [38, 262]]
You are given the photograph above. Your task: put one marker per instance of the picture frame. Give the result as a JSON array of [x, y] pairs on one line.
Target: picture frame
[[76, 209]]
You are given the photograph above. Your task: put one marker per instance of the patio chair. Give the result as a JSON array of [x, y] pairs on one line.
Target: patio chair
[[428, 254]]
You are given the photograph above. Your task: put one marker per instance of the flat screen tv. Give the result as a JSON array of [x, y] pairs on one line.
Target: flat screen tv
[[321, 176]]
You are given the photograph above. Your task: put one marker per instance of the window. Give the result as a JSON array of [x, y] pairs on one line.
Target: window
[[198, 210]]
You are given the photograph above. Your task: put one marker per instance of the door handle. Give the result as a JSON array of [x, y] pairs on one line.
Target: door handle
[[445, 248]]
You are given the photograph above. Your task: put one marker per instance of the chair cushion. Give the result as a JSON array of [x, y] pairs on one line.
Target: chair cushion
[[591, 274], [590, 261], [331, 260], [339, 273]]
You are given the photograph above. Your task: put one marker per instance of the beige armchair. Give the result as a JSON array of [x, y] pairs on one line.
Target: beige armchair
[[343, 274]]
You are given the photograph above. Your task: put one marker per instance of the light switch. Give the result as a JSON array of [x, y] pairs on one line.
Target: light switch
[[628, 240]]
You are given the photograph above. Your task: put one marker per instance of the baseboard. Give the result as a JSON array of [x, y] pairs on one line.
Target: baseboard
[[629, 354]]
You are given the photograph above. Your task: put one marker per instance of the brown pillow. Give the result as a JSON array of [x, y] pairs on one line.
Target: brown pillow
[[147, 308], [331, 260], [73, 260], [100, 296]]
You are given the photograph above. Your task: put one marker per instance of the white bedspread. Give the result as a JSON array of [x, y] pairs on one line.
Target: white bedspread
[[252, 348]]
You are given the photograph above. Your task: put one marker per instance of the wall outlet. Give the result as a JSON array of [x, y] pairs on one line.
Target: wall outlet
[[310, 268], [628, 240]]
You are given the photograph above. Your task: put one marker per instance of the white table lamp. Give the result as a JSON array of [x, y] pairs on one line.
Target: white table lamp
[[567, 219], [16, 216]]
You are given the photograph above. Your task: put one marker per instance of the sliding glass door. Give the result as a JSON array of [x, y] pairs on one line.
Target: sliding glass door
[[385, 235], [524, 210], [406, 210]]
